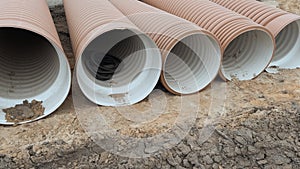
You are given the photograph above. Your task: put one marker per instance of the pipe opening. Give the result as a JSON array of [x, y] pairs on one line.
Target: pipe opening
[[247, 55], [192, 64], [29, 64], [119, 62], [115, 62], [288, 47]]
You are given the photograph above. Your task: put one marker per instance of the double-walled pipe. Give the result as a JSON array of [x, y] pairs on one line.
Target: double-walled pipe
[[284, 26], [116, 63], [32, 61], [247, 47], [191, 55]]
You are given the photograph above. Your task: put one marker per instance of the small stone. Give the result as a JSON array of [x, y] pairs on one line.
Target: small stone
[[280, 159], [229, 151], [199, 166], [237, 150], [45, 143], [7, 160], [103, 157], [14, 154], [215, 166], [171, 161], [208, 160], [252, 150], [31, 152], [260, 144], [179, 167], [269, 167], [60, 142], [184, 149], [186, 163], [178, 159], [287, 167], [260, 156], [193, 158], [243, 162], [240, 140], [290, 154], [217, 159], [59, 153], [262, 162], [281, 136]]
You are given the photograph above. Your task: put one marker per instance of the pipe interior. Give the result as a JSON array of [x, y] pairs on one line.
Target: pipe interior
[[132, 61], [192, 64], [29, 64], [247, 55], [288, 47], [114, 58]]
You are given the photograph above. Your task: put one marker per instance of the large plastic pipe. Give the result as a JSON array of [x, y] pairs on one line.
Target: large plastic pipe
[[32, 61], [191, 55], [247, 47], [284, 26], [117, 64]]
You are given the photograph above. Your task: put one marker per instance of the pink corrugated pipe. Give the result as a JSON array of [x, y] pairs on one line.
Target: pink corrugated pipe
[[117, 64], [284, 26], [191, 55], [247, 46], [33, 65]]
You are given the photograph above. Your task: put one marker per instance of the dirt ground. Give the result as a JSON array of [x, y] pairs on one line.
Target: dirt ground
[[256, 126], [290, 5]]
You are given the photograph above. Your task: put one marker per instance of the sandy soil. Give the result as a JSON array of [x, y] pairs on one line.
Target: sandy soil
[[290, 5], [256, 126]]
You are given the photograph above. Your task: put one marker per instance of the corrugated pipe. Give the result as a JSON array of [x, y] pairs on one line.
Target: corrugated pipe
[[284, 26], [117, 64], [32, 62], [191, 55], [247, 47]]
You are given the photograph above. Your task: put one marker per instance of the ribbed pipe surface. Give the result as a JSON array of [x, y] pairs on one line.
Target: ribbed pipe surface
[[32, 62], [116, 63], [247, 47], [284, 26], [191, 55]]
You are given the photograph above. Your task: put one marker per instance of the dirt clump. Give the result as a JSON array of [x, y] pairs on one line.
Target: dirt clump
[[24, 112]]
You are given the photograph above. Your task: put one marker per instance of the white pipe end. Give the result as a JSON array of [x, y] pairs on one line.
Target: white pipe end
[[192, 64], [135, 77], [287, 48], [248, 55], [31, 68]]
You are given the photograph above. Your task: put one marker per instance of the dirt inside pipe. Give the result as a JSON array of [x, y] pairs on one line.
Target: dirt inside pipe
[[24, 112]]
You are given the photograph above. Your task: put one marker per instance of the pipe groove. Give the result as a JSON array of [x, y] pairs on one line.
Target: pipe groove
[[117, 64], [282, 24], [191, 55], [32, 62], [230, 28]]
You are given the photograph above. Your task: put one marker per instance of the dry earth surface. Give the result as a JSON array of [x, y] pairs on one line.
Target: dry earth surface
[[257, 127]]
